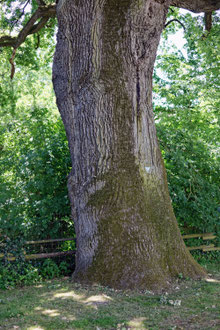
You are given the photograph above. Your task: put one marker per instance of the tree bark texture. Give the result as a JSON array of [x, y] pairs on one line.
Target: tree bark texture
[[197, 6], [127, 234]]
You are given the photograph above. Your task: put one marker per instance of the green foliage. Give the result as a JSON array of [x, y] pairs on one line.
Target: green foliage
[[18, 273], [34, 158], [12, 247], [50, 269], [207, 259], [186, 109], [23, 272], [34, 166]]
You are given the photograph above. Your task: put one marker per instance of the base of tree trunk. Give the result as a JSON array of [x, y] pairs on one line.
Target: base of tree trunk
[[137, 243], [145, 278]]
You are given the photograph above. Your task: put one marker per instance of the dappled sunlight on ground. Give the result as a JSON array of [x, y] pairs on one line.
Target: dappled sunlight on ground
[[98, 299], [137, 323], [71, 304], [38, 286], [51, 312], [69, 294], [212, 280], [62, 304], [93, 300]]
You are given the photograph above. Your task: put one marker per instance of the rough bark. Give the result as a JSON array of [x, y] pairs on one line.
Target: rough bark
[[197, 6], [127, 234]]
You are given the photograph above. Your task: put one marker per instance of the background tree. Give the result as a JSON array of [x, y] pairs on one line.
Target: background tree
[[186, 87]]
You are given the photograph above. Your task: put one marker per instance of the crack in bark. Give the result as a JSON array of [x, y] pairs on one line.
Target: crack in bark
[[138, 93]]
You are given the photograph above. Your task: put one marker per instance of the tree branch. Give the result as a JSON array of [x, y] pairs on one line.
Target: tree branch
[[22, 13], [37, 27], [208, 21], [40, 3], [43, 13], [12, 63], [7, 41], [175, 20], [197, 6]]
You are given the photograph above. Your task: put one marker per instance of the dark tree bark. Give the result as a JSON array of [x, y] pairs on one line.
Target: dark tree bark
[[127, 234], [197, 6], [208, 21]]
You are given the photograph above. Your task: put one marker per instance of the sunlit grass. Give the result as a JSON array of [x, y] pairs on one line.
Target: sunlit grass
[[61, 304]]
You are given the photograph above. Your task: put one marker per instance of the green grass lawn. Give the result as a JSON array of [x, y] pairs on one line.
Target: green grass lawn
[[60, 304]]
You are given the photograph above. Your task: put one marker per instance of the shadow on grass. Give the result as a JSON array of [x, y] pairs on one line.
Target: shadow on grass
[[60, 304]]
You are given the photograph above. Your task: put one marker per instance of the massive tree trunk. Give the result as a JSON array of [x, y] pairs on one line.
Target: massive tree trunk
[[127, 234]]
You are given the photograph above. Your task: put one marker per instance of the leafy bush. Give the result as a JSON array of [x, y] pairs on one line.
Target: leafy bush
[[34, 193], [22, 272], [16, 273], [207, 259], [49, 269]]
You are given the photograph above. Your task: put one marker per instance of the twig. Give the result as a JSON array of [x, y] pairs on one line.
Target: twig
[[22, 13], [38, 42], [175, 20]]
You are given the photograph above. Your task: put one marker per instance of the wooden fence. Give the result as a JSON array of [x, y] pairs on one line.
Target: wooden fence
[[10, 257], [205, 237]]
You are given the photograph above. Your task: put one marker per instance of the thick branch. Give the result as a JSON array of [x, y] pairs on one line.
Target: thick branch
[[37, 27], [197, 6], [43, 13], [7, 41]]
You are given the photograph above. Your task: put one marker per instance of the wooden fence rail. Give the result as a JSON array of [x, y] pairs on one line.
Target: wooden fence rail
[[205, 237], [50, 241], [10, 257]]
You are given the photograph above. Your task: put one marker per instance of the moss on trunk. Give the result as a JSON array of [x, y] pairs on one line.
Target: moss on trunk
[[127, 234], [139, 244]]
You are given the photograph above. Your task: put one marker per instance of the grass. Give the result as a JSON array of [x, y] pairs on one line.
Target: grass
[[60, 304]]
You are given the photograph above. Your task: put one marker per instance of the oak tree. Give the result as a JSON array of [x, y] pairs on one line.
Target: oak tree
[[127, 234]]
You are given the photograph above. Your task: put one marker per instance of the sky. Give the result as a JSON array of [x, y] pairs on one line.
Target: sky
[[178, 38]]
